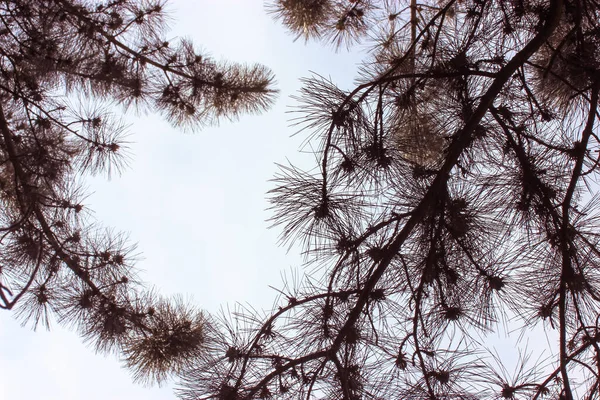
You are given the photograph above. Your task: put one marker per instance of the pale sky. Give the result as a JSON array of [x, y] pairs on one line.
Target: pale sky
[[194, 203]]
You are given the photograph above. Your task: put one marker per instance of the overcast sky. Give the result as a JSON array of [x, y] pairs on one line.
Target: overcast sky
[[194, 203]]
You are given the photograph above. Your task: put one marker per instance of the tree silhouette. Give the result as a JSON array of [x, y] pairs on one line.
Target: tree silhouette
[[55, 57], [454, 195]]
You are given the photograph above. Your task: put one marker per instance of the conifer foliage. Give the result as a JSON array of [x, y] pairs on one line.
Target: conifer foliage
[[56, 55], [454, 195]]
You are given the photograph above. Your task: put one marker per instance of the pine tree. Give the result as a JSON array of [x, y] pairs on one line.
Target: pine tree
[[454, 195], [60, 60]]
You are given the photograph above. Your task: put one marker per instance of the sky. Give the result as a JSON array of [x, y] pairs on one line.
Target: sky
[[193, 202]]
